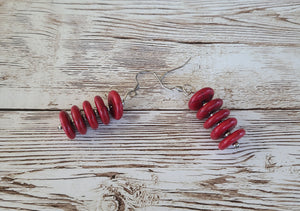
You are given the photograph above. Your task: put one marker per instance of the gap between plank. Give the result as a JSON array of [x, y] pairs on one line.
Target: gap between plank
[[234, 109]]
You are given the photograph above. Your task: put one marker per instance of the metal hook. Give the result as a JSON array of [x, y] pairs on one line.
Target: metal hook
[[133, 92], [187, 89]]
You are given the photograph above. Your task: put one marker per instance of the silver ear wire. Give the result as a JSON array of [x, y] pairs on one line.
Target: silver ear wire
[[187, 89]]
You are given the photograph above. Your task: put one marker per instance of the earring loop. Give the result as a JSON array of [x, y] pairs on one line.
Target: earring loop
[[187, 89]]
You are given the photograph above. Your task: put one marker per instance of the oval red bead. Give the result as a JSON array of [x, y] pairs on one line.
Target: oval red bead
[[209, 108], [217, 117], [90, 114], [78, 120], [66, 124], [231, 139], [200, 97], [115, 105], [102, 110], [223, 127]]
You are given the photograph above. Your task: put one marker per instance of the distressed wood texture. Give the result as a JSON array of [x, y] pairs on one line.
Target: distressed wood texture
[[152, 160], [63, 52], [54, 54]]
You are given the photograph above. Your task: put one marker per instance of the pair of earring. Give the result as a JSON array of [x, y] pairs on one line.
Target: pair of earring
[[201, 101]]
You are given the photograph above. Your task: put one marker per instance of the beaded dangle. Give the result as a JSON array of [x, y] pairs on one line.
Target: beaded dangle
[[201, 101], [115, 107]]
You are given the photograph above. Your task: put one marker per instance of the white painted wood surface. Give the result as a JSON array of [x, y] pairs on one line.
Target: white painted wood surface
[[54, 54]]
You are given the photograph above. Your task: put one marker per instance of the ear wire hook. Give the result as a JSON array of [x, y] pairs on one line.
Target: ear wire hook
[[187, 89]]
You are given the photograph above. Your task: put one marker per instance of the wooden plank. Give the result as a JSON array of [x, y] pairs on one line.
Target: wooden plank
[[226, 68], [247, 22], [149, 160], [61, 53]]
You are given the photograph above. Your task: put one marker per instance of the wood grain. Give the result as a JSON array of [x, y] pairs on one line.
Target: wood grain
[[126, 166], [64, 52], [55, 54], [192, 22]]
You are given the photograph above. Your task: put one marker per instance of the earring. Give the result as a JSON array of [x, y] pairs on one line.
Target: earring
[[115, 107], [201, 101]]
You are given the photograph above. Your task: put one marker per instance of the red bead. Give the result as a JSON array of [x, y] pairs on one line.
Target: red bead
[[217, 117], [66, 124], [78, 120], [209, 108], [200, 97], [90, 114], [231, 139], [115, 104], [102, 110], [223, 127]]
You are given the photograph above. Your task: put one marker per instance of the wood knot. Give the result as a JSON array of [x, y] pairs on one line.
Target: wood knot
[[125, 196], [110, 203]]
